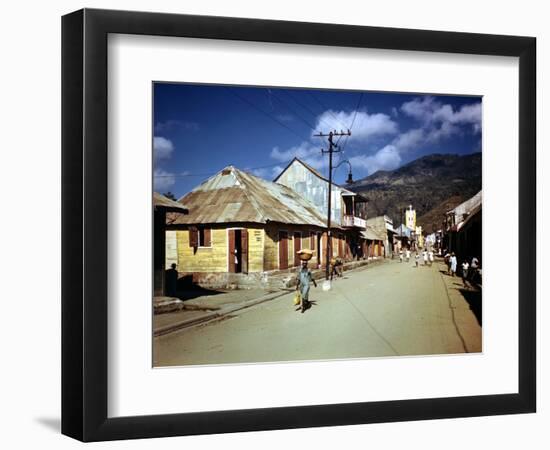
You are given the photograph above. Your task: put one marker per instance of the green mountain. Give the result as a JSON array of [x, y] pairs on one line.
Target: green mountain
[[426, 183]]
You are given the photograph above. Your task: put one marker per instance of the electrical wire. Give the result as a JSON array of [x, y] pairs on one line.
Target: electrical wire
[[244, 99], [329, 111], [293, 111]]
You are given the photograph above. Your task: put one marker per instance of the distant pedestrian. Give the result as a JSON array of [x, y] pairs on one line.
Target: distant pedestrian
[[408, 253], [303, 281], [425, 257], [465, 267], [431, 257], [474, 267], [447, 259], [171, 278], [400, 255], [417, 259], [453, 263]]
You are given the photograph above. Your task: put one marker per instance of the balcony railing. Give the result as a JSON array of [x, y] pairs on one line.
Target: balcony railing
[[352, 221]]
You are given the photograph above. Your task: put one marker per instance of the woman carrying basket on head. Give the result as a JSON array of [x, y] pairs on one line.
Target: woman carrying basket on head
[[304, 280]]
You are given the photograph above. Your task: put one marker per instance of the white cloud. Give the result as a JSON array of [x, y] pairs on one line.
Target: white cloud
[[302, 151], [162, 180], [387, 158], [162, 148], [365, 125], [430, 111], [410, 139], [438, 122]]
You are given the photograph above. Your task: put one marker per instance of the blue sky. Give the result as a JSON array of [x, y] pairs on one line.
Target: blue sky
[[200, 129]]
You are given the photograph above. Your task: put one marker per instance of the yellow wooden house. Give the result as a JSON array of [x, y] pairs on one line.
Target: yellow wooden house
[[241, 227]]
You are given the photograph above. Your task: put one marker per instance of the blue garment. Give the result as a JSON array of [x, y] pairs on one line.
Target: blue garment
[[304, 280]]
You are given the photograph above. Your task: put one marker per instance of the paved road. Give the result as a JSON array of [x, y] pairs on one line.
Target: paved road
[[386, 310]]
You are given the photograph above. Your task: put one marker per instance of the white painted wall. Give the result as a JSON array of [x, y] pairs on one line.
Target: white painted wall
[[30, 331]]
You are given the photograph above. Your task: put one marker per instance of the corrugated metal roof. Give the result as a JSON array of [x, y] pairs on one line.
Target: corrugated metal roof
[[467, 206], [471, 214], [160, 201], [236, 196], [358, 197]]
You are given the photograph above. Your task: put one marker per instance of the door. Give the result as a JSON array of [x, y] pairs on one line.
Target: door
[[297, 248], [237, 253], [283, 250]]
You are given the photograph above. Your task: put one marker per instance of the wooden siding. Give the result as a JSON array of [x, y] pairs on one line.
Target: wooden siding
[[215, 257], [202, 259], [171, 248]]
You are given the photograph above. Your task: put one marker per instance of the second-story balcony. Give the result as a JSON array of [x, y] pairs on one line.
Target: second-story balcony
[[353, 221]]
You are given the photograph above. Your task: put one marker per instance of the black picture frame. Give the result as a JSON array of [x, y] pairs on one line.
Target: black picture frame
[[84, 224]]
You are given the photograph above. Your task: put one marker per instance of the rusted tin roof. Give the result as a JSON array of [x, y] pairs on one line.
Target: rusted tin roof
[[236, 196], [160, 201]]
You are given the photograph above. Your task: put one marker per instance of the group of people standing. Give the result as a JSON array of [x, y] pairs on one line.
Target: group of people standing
[[469, 269], [427, 256]]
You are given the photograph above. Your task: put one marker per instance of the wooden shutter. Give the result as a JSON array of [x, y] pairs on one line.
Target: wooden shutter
[[312, 240], [207, 238], [193, 237], [231, 251], [244, 250]]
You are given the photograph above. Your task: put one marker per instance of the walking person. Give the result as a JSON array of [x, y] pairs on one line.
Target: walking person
[[474, 266], [453, 263], [417, 258], [408, 254], [304, 280], [465, 267], [425, 257], [431, 257], [448, 262], [400, 255]]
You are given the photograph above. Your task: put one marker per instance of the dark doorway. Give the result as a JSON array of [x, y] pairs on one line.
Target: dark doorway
[[283, 250], [238, 251]]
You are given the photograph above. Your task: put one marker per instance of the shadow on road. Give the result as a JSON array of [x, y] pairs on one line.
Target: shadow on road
[[187, 292], [473, 297], [309, 304]]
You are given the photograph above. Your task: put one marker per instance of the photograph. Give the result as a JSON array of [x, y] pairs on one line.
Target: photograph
[[300, 224]]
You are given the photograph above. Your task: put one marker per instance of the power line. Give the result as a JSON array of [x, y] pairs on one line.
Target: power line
[[303, 105], [293, 111], [325, 108], [244, 99], [353, 121]]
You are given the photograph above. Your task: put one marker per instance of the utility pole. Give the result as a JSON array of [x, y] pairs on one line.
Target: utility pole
[[331, 149]]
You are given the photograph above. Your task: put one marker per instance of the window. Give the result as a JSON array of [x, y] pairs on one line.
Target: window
[[204, 237], [200, 237]]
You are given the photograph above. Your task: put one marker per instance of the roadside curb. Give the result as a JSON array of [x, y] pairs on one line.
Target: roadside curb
[[212, 315], [224, 311]]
